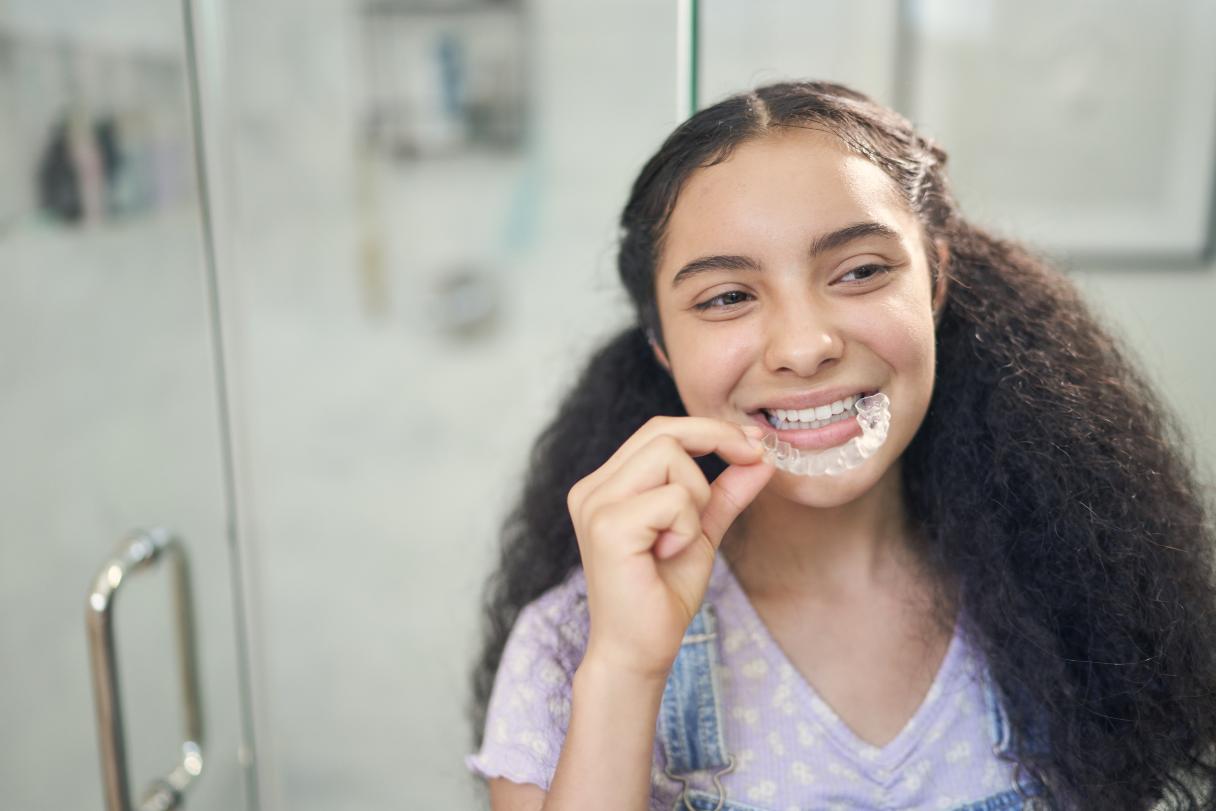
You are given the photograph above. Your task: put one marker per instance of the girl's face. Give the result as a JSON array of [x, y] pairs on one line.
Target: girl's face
[[788, 311]]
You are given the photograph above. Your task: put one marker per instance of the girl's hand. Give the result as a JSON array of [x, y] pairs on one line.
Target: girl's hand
[[649, 525]]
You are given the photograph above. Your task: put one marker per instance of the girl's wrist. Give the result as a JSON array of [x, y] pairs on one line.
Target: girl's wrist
[[599, 674]]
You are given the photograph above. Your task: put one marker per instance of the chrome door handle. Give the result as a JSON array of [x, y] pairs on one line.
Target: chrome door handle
[[143, 549]]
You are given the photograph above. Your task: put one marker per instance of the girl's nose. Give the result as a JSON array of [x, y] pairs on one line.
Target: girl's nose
[[802, 339]]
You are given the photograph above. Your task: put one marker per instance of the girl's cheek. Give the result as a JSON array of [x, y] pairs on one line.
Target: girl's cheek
[[713, 367], [722, 348], [737, 348], [898, 330]]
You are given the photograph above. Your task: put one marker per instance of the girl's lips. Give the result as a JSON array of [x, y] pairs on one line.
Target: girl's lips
[[813, 439]]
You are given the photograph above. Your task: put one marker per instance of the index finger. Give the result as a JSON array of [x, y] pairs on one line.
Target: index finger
[[697, 435]]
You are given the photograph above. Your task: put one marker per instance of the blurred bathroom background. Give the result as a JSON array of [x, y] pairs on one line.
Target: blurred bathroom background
[[300, 280]]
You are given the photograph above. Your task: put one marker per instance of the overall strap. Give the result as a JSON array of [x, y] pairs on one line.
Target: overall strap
[[998, 721], [999, 727], [1001, 733], [690, 715]]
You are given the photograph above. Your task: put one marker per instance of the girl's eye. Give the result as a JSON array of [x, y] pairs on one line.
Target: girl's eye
[[875, 270], [733, 298], [708, 304]]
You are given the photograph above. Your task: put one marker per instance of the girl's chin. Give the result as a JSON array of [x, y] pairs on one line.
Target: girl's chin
[[815, 491]]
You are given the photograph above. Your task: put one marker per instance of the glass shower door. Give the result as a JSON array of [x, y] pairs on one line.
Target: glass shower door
[[115, 490]]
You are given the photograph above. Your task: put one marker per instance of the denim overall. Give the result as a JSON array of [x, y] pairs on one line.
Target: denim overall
[[691, 729]]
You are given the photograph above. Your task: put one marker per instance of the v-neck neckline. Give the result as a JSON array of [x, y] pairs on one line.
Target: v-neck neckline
[[861, 752]]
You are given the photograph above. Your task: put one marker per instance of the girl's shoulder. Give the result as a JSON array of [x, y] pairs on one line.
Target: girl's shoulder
[[529, 708]]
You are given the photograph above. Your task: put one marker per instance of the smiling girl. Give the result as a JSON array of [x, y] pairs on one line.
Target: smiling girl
[[1009, 605]]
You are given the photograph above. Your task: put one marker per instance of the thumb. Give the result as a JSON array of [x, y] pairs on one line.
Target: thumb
[[729, 495]]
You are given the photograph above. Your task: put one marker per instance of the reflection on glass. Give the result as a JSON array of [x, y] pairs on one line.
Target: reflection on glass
[[94, 133], [443, 78], [107, 397]]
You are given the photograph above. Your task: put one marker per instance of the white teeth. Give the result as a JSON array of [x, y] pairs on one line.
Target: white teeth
[[813, 417], [785, 425]]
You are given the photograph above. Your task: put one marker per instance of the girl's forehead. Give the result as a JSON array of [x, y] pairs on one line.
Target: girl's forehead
[[778, 190], [805, 169]]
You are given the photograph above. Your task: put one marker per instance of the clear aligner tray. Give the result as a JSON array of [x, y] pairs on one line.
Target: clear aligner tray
[[874, 417]]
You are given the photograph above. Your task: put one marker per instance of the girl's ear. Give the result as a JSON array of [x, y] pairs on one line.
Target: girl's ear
[[941, 285], [658, 353]]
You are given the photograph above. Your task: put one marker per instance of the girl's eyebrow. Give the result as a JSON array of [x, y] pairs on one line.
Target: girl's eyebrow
[[821, 244]]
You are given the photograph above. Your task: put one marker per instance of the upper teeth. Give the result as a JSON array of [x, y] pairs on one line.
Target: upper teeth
[[822, 412]]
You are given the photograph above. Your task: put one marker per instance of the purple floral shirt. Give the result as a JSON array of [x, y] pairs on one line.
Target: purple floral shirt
[[791, 749]]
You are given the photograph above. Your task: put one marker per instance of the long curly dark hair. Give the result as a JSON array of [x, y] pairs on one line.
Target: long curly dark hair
[[1048, 477]]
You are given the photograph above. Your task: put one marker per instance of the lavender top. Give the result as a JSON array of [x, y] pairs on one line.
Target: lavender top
[[791, 749]]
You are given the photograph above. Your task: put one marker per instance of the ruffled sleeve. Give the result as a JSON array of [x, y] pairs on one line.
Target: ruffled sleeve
[[529, 708]]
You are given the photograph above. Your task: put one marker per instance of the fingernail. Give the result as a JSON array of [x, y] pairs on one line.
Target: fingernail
[[754, 431]]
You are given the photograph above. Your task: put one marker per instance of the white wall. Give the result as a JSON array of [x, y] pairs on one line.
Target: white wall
[[1165, 317]]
